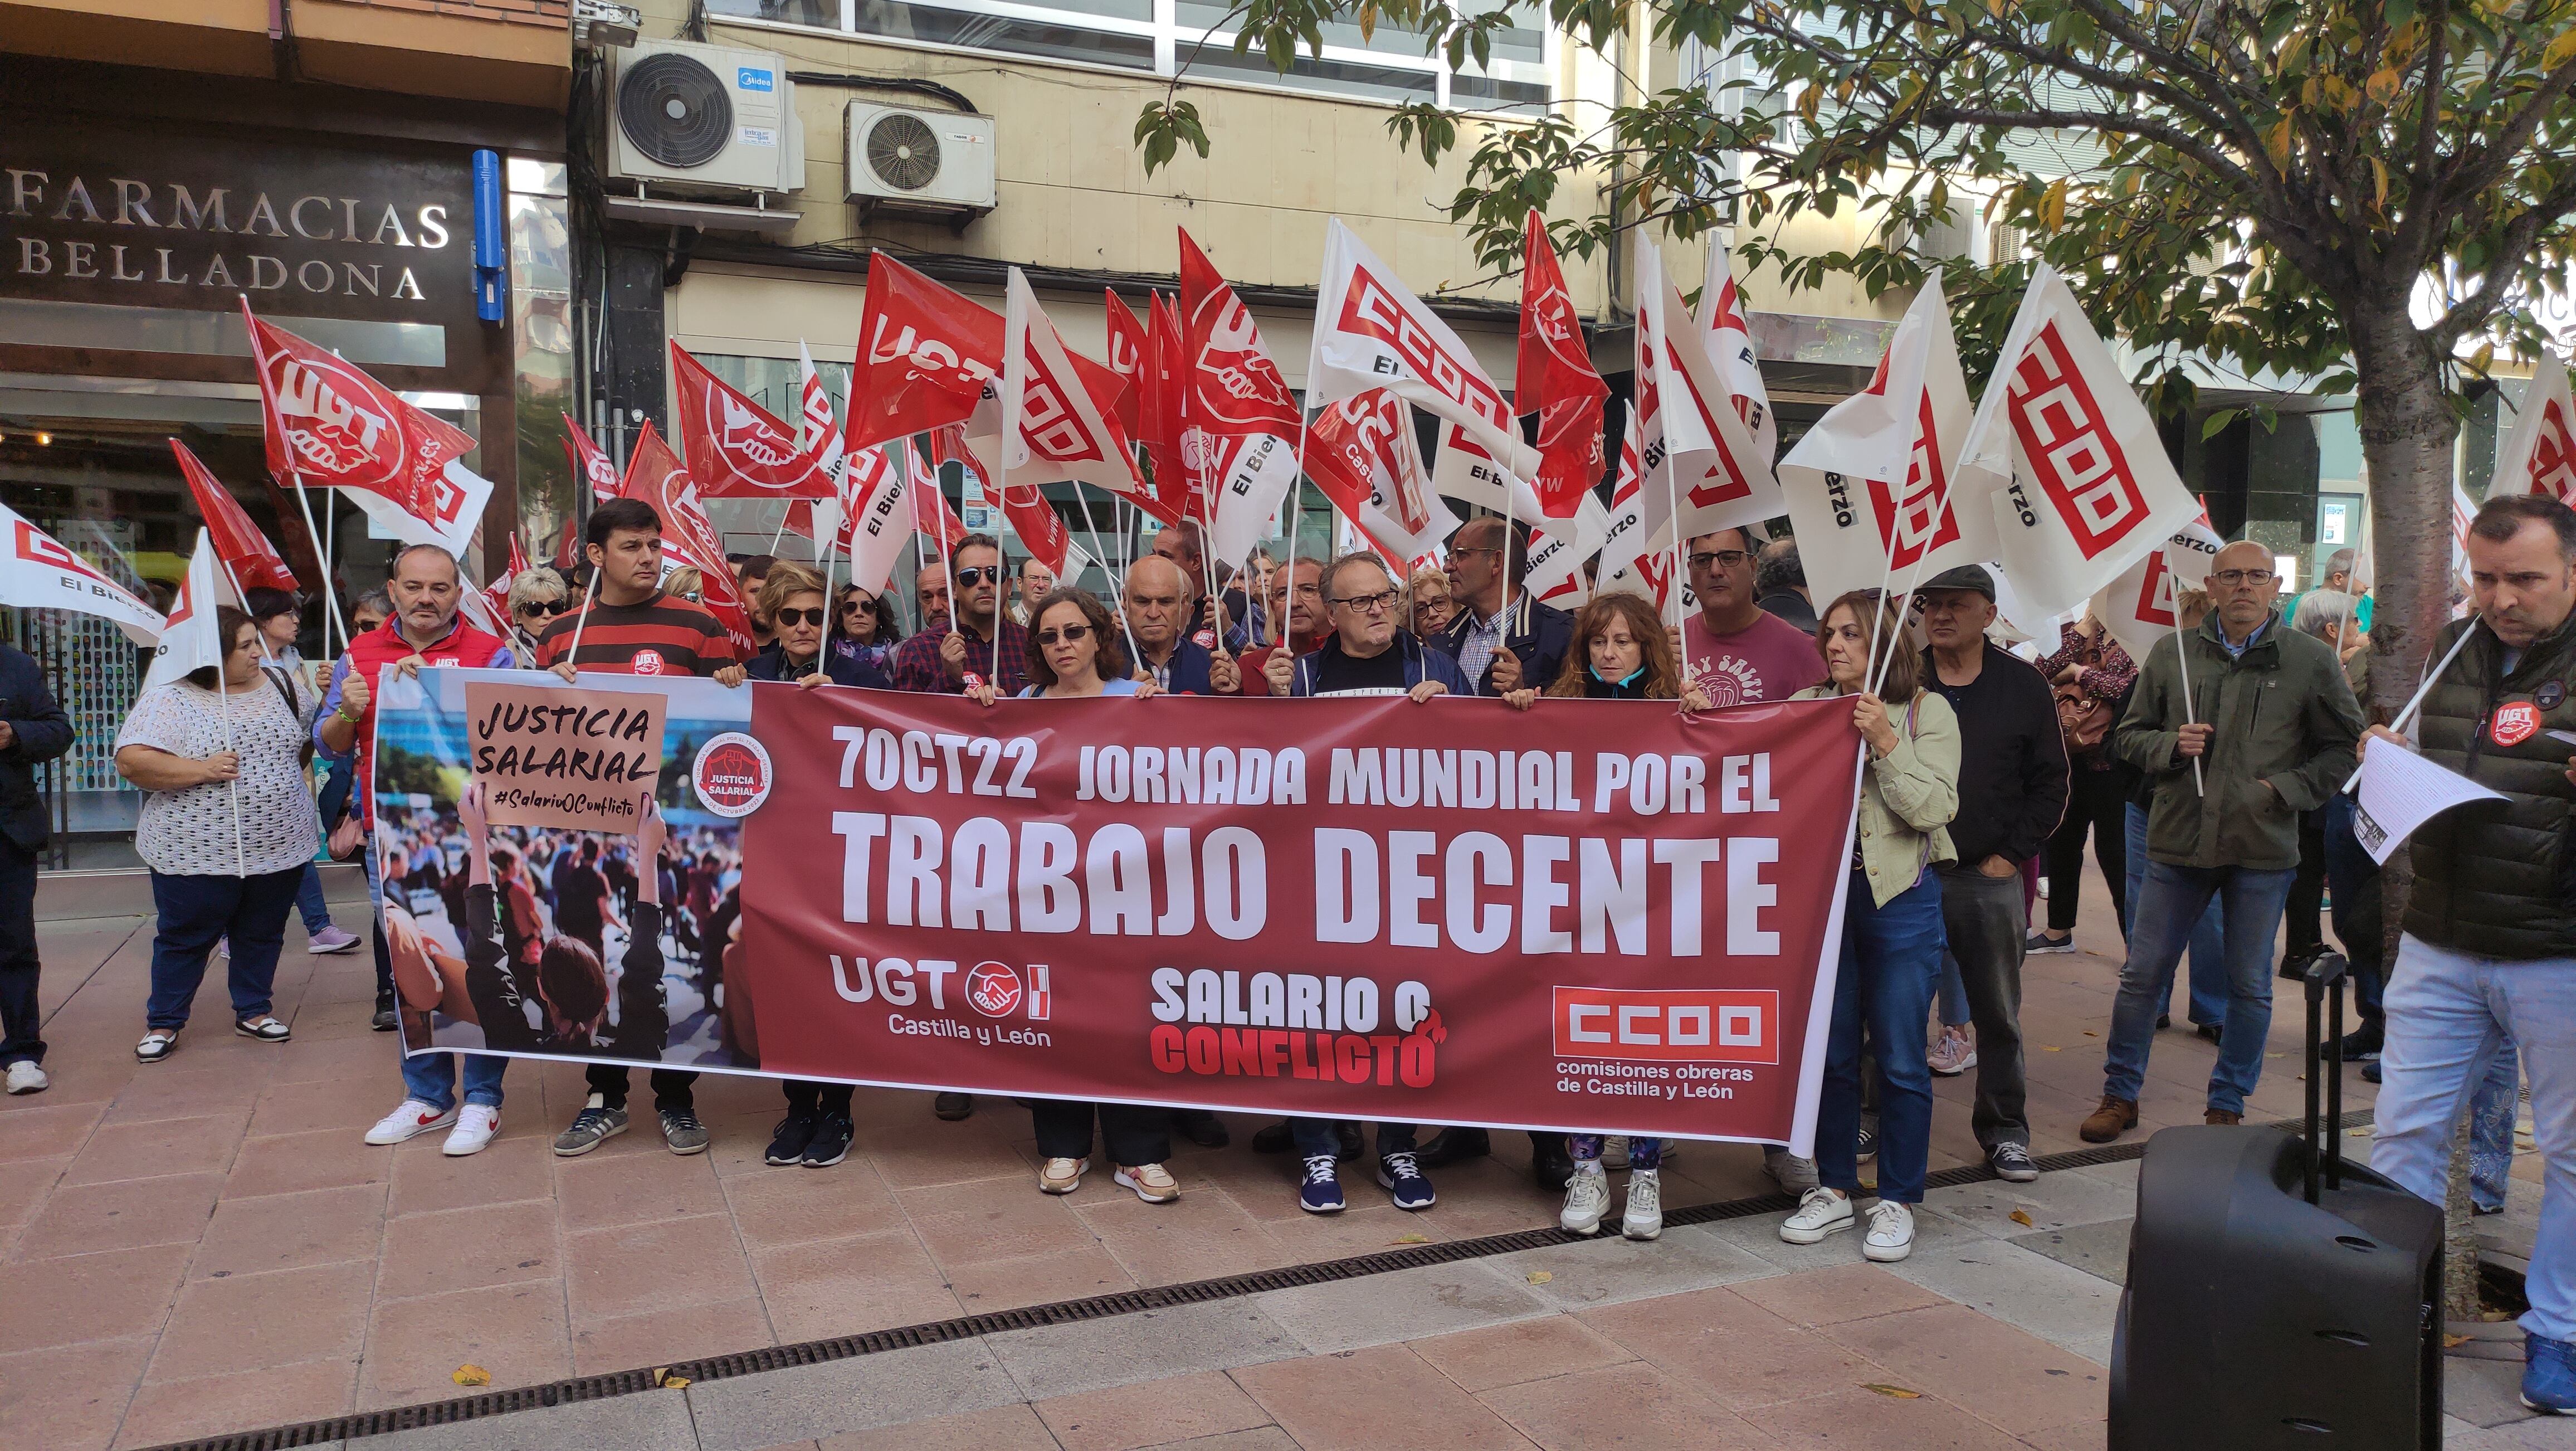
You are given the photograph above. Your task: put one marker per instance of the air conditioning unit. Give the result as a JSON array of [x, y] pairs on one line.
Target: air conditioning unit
[[705, 118], [920, 160]]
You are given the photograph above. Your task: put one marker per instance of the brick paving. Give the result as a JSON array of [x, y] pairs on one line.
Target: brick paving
[[205, 1245]]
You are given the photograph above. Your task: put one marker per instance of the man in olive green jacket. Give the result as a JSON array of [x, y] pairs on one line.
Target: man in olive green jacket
[[2268, 733]]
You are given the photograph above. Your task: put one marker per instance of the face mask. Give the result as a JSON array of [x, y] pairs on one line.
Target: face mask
[[1623, 681]]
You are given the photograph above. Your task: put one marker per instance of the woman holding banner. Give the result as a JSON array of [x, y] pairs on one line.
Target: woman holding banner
[[1892, 933], [227, 829], [817, 1130], [1619, 652], [1075, 654]]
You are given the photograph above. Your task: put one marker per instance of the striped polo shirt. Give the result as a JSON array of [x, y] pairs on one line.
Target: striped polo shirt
[[664, 635]]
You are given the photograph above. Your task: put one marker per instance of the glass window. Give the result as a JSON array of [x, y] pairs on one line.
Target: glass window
[[1014, 34]]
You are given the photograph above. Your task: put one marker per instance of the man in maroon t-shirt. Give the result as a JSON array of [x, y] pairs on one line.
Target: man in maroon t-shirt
[[1734, 650]]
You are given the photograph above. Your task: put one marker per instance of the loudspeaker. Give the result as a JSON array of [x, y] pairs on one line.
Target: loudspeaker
[[2276, 1296]]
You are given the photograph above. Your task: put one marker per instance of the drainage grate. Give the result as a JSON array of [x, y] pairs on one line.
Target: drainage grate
[[1063, 1312]]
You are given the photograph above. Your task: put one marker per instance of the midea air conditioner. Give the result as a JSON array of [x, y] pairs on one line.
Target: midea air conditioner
[[920, 160], [705, 117]]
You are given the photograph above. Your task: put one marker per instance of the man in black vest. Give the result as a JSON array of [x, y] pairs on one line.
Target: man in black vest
[[32, 730], [2488, 960]]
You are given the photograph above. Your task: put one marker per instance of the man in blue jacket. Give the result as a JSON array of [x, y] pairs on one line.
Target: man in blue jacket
[[1501, 649], [1366, 654], [1156, 605], [33, 729]]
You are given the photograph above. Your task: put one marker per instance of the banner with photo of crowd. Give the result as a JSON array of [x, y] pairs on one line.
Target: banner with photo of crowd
[[1596, 916]]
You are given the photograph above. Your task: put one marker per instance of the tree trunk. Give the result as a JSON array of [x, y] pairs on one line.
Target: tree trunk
[[2408, 435]]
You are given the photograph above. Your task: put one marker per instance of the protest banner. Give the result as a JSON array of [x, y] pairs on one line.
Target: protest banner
[[1348, 908], [549, 756]]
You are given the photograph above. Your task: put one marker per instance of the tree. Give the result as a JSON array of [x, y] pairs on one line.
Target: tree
[[2376, 192]]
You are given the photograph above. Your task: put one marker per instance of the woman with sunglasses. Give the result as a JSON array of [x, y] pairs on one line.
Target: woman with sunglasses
[[537, 595], [863, 626], [1075, 653], [790, 603]]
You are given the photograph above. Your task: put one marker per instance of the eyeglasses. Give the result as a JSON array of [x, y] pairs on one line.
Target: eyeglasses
[[1369, 604], [2234, 577], [857, 607], [1723, 559], [980, 574], [813, 617], [545, 607], [1476, 549], [1068, 634]]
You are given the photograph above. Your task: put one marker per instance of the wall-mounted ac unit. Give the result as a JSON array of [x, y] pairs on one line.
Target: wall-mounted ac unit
[[920, 160], [705, 118]]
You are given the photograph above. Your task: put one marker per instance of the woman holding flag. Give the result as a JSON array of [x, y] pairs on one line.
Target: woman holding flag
[[1892, 932], [227, 828]]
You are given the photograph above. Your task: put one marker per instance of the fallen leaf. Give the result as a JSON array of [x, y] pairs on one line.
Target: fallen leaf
[[2050, 1048], [2495, 1317], [670, 1382], [2021, 1217], [1540, 1277], [471, 1375], [1899, 1392], [2089, 1033], [1413, 1239], [2452, 1341]]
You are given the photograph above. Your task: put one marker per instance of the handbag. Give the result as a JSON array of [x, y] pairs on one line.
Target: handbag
[[2084, 721]]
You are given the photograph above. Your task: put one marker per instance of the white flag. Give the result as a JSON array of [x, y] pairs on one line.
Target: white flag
[[879, 512], [37, 572], [1372, 332], [2539, 456], [2138, 607], [2080, 485], [814, 424], [1856, 528], [1729, 336], [190, 638], [1052, 427], [1731, 483]]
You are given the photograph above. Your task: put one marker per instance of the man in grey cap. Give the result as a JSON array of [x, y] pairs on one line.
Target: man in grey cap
[[2012, 791]]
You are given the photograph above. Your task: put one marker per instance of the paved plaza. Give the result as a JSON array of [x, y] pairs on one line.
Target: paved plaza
[[205, 1246]]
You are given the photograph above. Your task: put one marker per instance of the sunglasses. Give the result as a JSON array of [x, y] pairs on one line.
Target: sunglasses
[[545, 607], [814, 617], [1067, 634], [980, 574]]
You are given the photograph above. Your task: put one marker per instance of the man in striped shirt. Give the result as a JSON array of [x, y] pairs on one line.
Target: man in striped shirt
[[632, 627]]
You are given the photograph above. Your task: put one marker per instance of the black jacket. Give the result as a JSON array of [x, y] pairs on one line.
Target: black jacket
[[844, 669], [2498, 878], [2012, 760], [1537, 635], [502, 1001], [39, 732]]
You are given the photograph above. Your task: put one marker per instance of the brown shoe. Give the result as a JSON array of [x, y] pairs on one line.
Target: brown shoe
[[2222, 1118], [2115, 1117]]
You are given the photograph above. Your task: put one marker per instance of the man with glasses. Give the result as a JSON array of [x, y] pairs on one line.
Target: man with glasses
[[1500, 650], [2268, 733], [1156, 603], [1732, 649], [939, 660], [1365, 655]]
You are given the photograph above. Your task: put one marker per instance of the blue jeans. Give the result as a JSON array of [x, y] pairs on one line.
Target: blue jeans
[[2450, 1019], [431, 1077], [309, 901], [249, 912], [1891, 960], [2208, 948], [1953, 999], [2171, 904]]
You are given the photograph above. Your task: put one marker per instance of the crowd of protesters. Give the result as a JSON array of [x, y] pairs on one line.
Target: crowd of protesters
[[2207, 777]]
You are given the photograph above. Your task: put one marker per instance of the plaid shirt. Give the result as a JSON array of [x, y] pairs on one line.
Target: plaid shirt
[[915, 664]]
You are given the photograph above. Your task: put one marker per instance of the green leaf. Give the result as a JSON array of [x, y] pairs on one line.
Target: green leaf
[[2216, 423]]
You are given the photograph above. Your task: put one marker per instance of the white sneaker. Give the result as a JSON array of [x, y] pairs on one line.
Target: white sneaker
[[27, 1077], [476, 1123], [1644, 1216], [1587, 1198], [1820, 1212], [1891, 1233], [1061, 1176], [410, 1119]]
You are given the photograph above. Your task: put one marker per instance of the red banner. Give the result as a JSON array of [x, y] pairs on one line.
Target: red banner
[[1356, 909]]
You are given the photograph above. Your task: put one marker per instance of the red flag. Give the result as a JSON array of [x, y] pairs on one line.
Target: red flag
[[735, 445], [1127, 343], [1362, 452], [930, 512], [568, 546], [1161, 411], [1051, 425], [499, 590], [589, 461], [656, 475], [244, 550], [1556, 379], [329, 425], [925, 356], [1238, 419]]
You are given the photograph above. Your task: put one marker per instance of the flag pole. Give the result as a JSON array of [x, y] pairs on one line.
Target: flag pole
[[1296, 511], [224, 707], [2182, 667], [572, 656], [1135, 657]]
